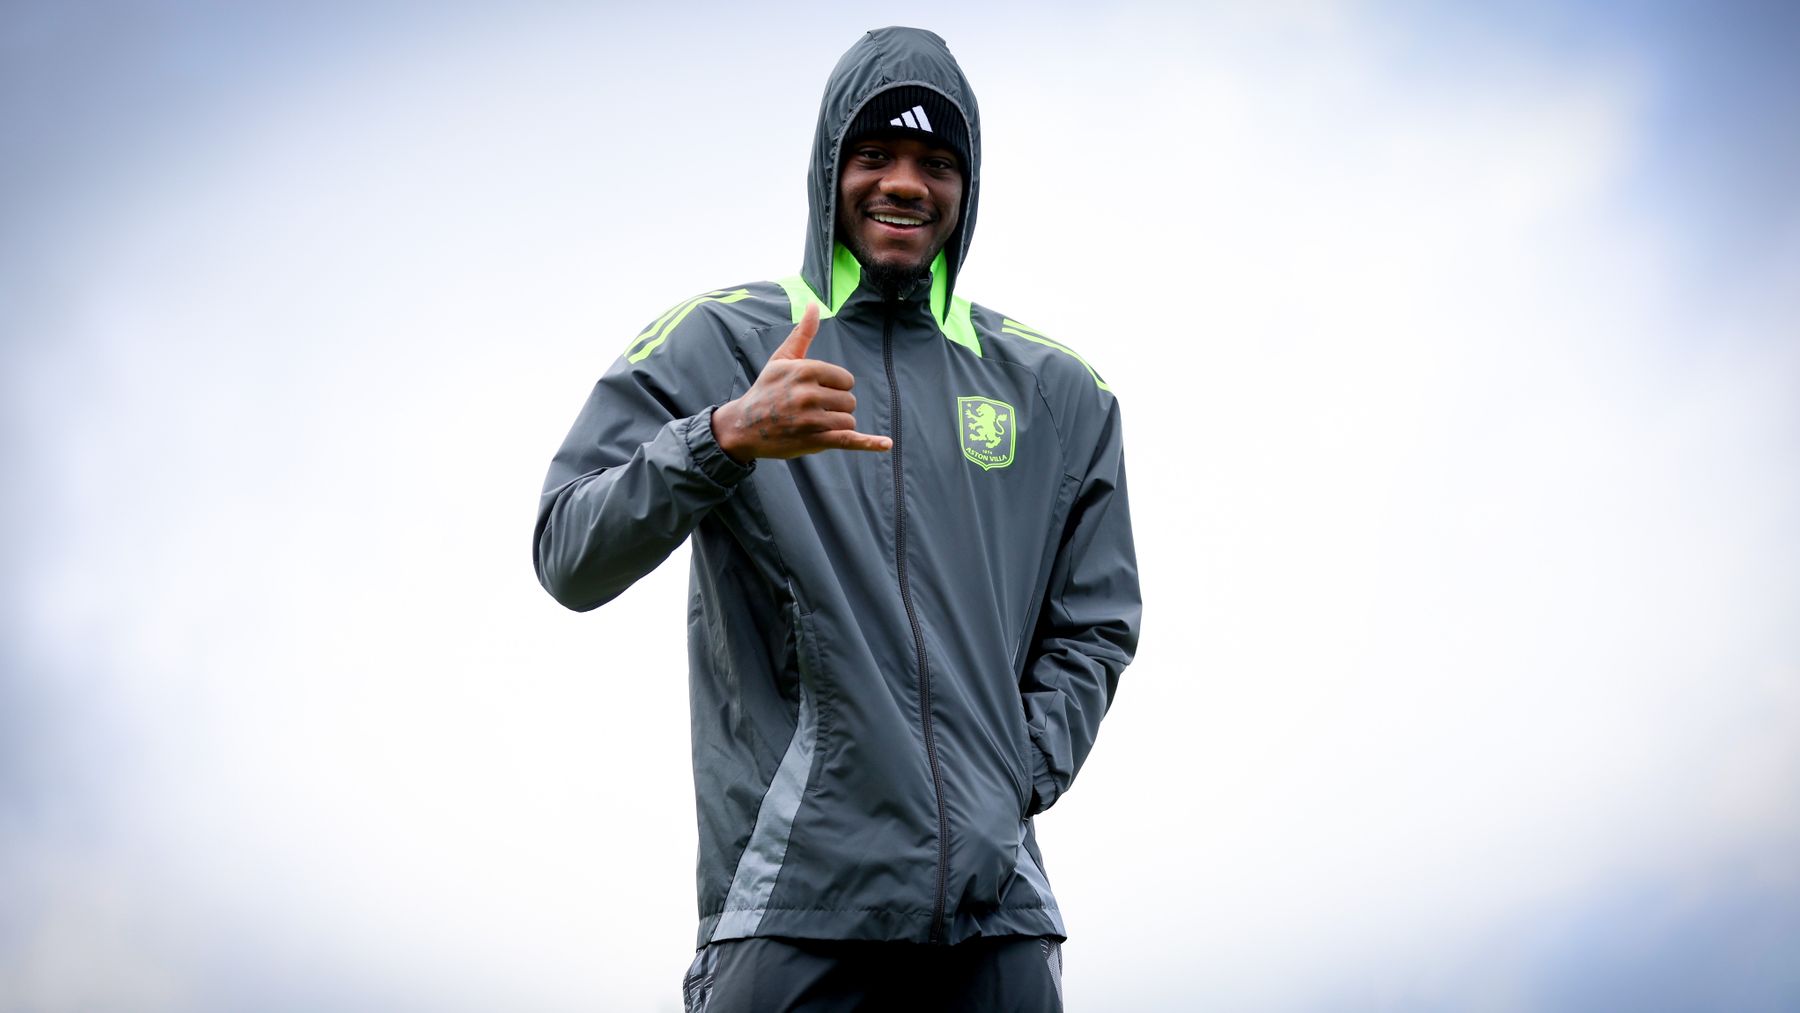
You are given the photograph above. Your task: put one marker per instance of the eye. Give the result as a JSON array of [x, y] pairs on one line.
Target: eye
[[870, 154], [941, 165]]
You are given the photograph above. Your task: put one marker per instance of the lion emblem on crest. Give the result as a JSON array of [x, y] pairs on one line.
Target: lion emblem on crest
[[989, 431], [984, 424]]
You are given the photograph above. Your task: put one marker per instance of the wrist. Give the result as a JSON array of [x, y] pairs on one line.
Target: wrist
[[708, 456], [725, 433]]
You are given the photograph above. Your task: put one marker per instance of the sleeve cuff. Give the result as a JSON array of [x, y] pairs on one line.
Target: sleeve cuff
[[711, 458]]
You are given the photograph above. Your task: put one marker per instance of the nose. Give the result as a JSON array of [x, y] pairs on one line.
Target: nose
[[905, 179]]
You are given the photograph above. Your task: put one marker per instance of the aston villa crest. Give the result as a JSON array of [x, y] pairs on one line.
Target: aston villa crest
[[989, 431]]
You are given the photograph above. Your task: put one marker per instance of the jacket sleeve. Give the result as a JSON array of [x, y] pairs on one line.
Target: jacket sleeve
[[1087, 628], [640, 467]]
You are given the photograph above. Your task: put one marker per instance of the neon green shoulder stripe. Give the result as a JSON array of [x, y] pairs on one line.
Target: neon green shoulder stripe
[[665, 325], [1019, 330], [657, 325]]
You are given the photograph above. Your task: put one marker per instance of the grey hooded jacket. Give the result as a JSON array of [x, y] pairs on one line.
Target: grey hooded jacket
[[896, 659]]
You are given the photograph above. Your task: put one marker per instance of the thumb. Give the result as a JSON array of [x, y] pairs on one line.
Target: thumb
[[800, 338]]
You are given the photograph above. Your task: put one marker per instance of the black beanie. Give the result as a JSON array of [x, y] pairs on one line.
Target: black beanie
[[915, 111]]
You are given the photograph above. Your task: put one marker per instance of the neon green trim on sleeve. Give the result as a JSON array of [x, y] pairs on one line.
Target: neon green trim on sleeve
[[666, 324], [1019, 330]]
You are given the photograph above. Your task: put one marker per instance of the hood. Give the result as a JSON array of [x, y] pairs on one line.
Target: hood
[[878, 61]]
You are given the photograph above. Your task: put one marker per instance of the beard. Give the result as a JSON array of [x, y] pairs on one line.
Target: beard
[[890, 281], [893, 281]]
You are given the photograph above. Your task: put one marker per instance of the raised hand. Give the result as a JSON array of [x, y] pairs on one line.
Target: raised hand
[[797, 405]]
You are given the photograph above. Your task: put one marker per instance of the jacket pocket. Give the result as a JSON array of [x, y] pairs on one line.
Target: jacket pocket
[[814, 688], [1021, 765]]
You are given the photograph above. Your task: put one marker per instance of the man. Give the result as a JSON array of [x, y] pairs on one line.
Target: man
[[909, 605]]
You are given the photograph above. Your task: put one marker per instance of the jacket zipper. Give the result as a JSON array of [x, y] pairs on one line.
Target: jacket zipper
[[918, 634]]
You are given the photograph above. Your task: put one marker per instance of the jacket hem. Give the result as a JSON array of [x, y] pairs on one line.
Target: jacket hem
[[881, 924]]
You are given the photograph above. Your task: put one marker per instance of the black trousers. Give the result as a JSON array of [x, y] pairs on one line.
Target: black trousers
[[1009, 974]]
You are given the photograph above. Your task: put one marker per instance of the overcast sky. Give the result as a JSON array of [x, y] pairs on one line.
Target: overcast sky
[[1460, 363]]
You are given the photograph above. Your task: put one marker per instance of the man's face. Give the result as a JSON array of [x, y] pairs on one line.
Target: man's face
[[899, 199]]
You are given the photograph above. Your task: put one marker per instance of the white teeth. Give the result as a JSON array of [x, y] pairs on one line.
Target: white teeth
[[897, 220]]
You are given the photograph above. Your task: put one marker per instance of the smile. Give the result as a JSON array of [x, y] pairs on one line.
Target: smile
[[907, 221]]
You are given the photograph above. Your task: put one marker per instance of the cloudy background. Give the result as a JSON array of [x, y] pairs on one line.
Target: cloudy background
[[1461, 365]]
